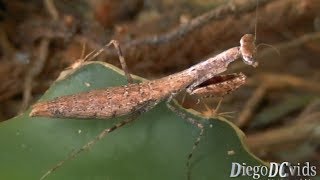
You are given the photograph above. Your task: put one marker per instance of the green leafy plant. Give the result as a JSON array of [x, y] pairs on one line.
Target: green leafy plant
[[155, 146]]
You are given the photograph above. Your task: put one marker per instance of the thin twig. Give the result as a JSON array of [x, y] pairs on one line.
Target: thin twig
[[251, 105], [305, 127], [33, 72], [83, 50], [159, 47], [216, 14], [291, 44], [312, 109], [275, 138], [273, 81], [284, 80], [51, 8], [154, 49]]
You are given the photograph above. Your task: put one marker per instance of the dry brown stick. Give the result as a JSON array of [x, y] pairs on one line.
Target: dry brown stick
[[305, 127], [234, 7], [288, 11], [33, 72], [283, 80], [273, 81], [39, 63], [51, 8], [219, 13], [147, 49], [251, 105], [276, 138], [291, 44], [312, 109]]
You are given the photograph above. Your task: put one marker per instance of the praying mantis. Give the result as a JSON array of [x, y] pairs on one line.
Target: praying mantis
[[203, 79], [136, 98]]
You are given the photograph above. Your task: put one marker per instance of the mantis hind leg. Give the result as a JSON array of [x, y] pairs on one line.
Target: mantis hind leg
[[198, 139], [146, 106]]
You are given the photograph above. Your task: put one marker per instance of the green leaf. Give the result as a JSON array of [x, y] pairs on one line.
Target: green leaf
[[155, 146]]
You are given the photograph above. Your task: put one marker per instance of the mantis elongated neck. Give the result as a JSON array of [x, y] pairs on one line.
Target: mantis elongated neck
[[197, 74]]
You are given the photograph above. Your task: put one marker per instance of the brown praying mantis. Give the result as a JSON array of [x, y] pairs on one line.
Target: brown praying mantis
[[203, 79], [135, 98]]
